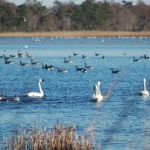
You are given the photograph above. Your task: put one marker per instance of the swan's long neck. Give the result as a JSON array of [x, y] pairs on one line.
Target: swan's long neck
[[144, 84], [99, 92], [40, 88]]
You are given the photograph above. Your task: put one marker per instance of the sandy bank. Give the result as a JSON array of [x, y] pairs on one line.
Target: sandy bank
[[76, 34]]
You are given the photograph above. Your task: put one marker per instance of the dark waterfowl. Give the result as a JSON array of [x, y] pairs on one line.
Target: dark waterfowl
[[146, 57], [6, 57], [88, 67], [78, 68], [97, 54], [68, 61], [3, 98], [23, 63], [136, 59], [115, 71], [62, 70], [103, 57], [14, 98], [34, 62], [84, 57], [8, 61], [75, 54], [50, 67], [28, 55], [20, 54], [84, 70], [12, 56]]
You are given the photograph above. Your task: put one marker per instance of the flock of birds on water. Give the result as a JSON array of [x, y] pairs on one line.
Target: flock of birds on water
[[97, 96]]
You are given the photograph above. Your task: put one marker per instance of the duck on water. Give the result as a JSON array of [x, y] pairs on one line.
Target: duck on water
[[3, 98], [115, 70], [15, 98], [35, 62], [48, 67]]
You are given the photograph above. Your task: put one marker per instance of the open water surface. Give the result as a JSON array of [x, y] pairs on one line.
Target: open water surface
[[120, 122]]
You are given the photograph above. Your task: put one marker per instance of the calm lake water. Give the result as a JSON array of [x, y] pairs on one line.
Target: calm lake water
[[120, 122]]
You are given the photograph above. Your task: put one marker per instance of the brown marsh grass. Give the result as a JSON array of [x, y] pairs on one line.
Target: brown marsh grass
[[57, 138], [76, 34]]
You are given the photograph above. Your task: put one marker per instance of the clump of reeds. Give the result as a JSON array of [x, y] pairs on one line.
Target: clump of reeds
[[57, 138]]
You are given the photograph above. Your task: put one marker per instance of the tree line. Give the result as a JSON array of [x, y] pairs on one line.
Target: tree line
[[32, 16]]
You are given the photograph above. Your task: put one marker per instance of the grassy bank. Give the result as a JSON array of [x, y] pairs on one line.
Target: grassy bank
[[76, 34]]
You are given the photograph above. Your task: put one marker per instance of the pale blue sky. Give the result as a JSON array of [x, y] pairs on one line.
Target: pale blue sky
[[50, 2]]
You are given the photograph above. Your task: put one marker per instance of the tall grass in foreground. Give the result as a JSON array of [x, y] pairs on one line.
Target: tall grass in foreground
[[58, 138]]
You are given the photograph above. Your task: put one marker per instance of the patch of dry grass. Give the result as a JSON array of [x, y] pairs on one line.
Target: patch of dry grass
[[58, 138], [76, 34]]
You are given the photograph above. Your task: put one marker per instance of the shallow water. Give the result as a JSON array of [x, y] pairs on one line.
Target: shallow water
[[122, 121]]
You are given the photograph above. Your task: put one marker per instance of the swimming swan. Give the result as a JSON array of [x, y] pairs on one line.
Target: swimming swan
[[98, 97], [37, 94], [144, 92]]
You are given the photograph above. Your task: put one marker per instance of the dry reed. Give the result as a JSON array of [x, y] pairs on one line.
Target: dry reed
[[58, 138]]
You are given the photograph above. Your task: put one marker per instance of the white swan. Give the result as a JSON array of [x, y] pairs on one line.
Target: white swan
[[144, 92], [37, 94], [97, 96]]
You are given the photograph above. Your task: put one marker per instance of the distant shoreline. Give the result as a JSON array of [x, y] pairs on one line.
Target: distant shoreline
[[76, 34]]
